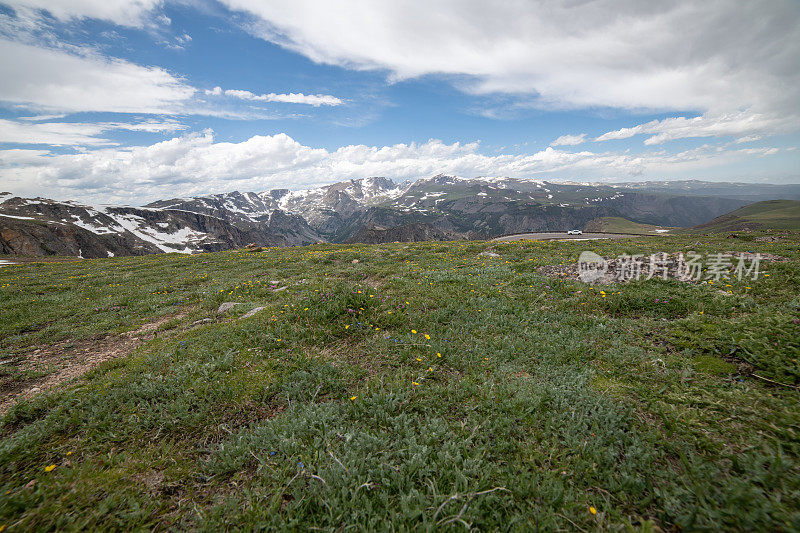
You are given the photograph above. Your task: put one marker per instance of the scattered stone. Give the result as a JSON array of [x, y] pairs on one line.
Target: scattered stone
[[202, 321], [251, 312], [355, 261], [226, 306], [489, 253], [279, 289]]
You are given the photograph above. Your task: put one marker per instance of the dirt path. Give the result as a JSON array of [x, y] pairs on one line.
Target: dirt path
[[73, 359]]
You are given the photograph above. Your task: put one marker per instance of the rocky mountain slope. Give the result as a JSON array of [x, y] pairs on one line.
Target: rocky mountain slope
[[415, 232], [488, 206], [45, 227], [358, 210]]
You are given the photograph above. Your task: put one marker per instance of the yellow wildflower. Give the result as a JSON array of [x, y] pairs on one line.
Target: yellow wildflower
[[49, 468]]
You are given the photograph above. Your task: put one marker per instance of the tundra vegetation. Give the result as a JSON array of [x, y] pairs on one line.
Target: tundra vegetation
[[401, 386]]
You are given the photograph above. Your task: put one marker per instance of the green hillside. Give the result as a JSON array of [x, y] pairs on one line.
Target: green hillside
[[424, 386], [771, 214]]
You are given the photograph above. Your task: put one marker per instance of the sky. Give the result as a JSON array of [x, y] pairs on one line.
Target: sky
[[128, 101]]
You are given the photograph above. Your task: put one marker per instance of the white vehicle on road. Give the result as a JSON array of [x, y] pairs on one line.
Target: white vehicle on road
[[574, 232]]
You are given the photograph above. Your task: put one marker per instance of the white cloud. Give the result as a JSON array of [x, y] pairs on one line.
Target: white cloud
[[37, 118], [315, 100], [150, 125], [744, 124], [122, 12], [715, 55], [196, 164], [76, 133], [569, 140], [54, 80]]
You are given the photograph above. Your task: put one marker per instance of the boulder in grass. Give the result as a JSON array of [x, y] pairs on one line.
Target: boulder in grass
[[251, 312], [226, 306]]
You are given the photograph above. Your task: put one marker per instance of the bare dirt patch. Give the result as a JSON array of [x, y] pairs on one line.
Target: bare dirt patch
[[70, 359]]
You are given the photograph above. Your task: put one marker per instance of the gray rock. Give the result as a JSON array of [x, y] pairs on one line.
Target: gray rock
[[226, 306], [252, 312]]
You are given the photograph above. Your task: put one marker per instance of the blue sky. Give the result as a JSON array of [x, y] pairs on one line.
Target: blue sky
[[132, 100]]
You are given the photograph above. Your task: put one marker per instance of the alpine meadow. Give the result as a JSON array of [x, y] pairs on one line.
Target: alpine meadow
[[399, 266]]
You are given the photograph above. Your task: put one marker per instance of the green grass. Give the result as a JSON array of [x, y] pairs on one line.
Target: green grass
[[423, 387], [773, 214]]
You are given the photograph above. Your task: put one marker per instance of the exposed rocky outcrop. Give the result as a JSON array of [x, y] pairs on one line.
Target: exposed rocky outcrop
[[45, 227]]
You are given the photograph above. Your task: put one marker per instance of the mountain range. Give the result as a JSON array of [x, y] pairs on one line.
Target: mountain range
[[360, 210]]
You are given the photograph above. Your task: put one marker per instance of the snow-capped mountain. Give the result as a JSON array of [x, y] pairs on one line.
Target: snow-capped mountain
[[325, 208], [40, 226], [484, 206], [233, 206], [368, 209]]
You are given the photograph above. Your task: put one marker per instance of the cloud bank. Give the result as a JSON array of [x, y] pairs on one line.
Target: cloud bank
[[732, 63], [132, 13], [55, 80], [713, 58], [195, 164], [616, 53], [76, 133], [744, 125]]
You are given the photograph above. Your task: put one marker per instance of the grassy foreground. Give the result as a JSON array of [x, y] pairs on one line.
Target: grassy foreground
[[422, 387]]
